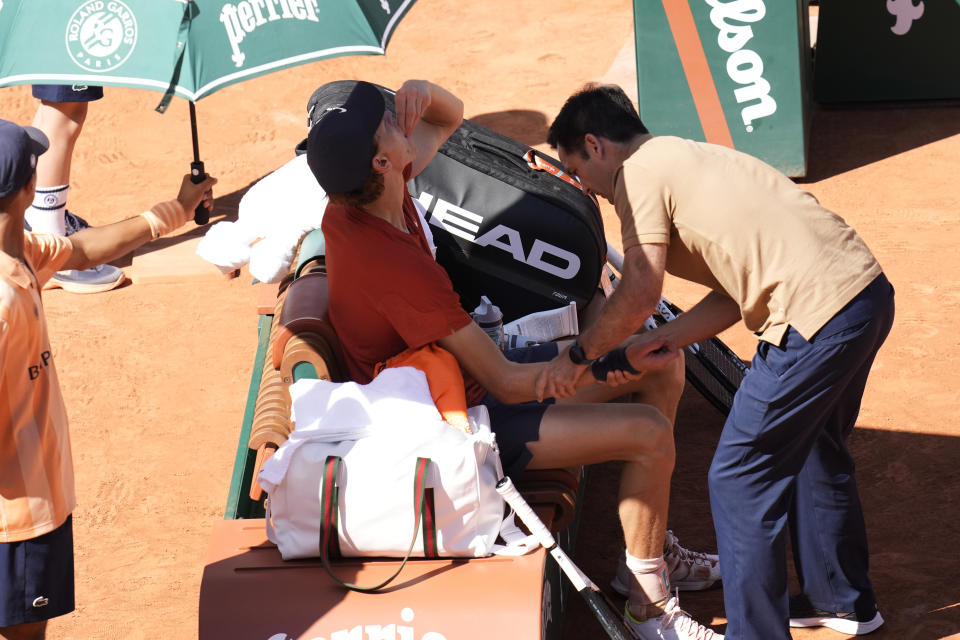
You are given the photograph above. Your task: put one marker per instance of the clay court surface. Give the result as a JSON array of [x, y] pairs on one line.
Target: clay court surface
[[155, 374]]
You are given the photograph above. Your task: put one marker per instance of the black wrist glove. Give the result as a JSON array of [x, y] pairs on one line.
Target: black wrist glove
[[614, 360]]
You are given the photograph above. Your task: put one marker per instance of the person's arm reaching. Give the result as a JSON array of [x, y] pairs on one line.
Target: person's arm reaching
[[428, 115], [96, 245], [509, 382], [512, 382], [625, 311], [714, 313]]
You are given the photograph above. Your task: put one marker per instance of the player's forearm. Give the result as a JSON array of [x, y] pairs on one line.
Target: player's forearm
[[445, 110], [518, 382]]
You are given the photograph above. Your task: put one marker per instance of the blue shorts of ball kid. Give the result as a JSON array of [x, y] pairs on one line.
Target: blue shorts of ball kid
[[36, 577], [67, 92], [517, 424]]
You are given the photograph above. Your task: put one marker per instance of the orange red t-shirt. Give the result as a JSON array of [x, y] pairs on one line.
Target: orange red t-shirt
[[36, 468], [387, 293]]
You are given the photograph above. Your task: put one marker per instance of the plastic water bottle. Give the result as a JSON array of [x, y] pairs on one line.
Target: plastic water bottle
[[490, 319]]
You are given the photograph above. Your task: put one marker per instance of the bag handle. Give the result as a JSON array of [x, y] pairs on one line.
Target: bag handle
[[477, 140], [537, 163], [422, 505]]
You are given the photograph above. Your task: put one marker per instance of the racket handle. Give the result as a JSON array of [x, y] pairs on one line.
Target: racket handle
[[663, 308], [509, 493], [201, 215]]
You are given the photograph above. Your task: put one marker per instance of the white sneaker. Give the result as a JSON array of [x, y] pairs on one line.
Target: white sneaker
[[94, 280], [804, 615], [674, 624], [689, 570]]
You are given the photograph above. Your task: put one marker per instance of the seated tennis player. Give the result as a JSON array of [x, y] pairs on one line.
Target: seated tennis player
[[387, 294]]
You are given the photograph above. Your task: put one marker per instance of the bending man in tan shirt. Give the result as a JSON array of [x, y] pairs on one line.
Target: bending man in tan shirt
[[807, 285]]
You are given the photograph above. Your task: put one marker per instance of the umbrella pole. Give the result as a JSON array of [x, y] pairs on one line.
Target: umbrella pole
[[193, 131], [201, 215]]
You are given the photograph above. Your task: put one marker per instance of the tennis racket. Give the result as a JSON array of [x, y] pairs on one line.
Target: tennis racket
[[606, 613], [711, 366]]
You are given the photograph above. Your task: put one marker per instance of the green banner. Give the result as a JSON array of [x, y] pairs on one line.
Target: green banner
[[734, 72]]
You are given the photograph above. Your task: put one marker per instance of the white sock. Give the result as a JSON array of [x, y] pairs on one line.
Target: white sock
[[46, 214], [652, 582]]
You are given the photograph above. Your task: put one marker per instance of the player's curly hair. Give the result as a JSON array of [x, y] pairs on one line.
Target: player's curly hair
[[370, 190]]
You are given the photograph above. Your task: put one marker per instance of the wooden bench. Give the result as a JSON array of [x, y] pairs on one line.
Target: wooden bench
[[247, 590], [303, 344]]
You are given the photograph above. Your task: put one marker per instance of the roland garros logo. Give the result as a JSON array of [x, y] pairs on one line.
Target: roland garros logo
[[101, 35]]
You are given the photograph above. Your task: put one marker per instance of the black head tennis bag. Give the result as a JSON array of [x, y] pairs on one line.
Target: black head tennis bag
[[507, 224]]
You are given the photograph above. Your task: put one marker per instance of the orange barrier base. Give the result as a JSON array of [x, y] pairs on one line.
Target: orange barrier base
[[248, 591]]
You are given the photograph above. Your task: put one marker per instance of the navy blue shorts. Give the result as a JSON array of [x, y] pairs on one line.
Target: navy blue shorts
[[517, 424], [67, 92], [36, 577]]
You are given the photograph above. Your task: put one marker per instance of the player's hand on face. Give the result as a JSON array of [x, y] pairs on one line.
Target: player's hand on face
[[191, 195], [412, 101]]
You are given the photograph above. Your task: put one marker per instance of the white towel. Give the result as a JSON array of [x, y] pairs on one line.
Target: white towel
[[272, 216], [395, 403]]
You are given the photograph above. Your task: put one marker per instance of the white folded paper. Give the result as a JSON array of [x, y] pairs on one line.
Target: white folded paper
[[546, 325]]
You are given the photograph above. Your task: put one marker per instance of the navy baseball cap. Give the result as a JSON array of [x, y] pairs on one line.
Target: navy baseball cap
[[340, 147], [19, 149]]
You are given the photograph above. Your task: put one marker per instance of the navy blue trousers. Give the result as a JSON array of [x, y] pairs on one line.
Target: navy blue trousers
[[782, 461]]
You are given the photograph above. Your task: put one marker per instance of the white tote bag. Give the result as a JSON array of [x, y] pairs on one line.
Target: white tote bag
[[361, 445]]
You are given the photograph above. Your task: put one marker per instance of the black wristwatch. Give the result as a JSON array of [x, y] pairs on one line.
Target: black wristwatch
[[577, 356]]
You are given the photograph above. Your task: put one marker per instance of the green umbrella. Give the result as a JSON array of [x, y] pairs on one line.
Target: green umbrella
[[190, 48]]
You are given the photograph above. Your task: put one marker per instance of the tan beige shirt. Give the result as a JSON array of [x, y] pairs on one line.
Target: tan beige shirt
[[36, 469], [740, 227]]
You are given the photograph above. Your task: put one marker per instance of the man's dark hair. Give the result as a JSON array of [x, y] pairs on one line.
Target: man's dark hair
[[603, 110], [369, 191]]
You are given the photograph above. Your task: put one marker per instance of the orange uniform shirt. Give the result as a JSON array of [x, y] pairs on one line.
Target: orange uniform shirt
[[36, 467]]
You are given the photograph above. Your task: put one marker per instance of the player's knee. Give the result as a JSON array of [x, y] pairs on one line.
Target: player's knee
[[673, 377], [652, 439], [663, 388]]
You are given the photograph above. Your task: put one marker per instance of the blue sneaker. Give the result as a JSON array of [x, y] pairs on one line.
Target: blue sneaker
[[73, 222], [101, 278]]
